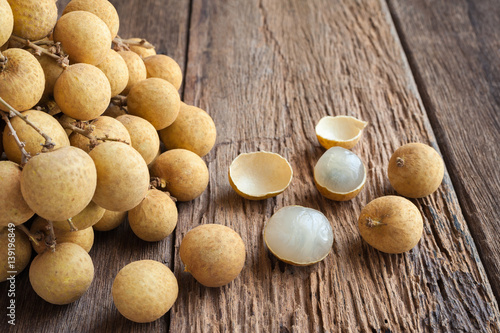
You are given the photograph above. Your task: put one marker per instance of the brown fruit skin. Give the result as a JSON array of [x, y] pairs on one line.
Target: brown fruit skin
[[7, 22], [155, 100], [185, 173], [415, 170], [62, 276], [193, 129], [102, 9], [144, 290], [14, 208], [110, 220], [164, 67], [22, 81], [59, 184], [116, 70], [139, 50], [89, 216], [214, 254], [82, 92], [103, 126], [48, 124], [84, 36], [143, 135], [33, 19], [22, 252], [136, 69], [401, 224]]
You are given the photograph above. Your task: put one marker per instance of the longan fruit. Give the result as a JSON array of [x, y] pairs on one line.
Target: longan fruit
[[89, 216], [116, 70], [164, 67], [62, 276], [139, 50], [84, 36], [144, 290], [22, 252], [13, 208], [110, 220], [103, 127], [143, 135], [59, 184], [155, 100], [32, 139], [22, 81], [136, 69], [33, 19], [101, 8], [7, 23]]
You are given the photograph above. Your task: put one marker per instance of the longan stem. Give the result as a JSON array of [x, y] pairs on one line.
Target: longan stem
[[142, 43], [32, 237], [61, 59], [25, 156], [52, 237], [371, 223], [72, 227], [86, 130]]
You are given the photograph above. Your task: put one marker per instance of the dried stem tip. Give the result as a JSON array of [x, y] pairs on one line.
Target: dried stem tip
[[371, 223], [400, 162]]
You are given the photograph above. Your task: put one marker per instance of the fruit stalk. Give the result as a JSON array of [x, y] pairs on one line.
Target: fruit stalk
[[56, 55], [86, 130], [32, 237], [25, 155], [124, 43]]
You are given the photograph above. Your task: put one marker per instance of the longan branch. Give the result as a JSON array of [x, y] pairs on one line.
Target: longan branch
[[126, 42], [51, 241], [72, 227], [32, 237], [86, 130], [61, 59], [25, 156]]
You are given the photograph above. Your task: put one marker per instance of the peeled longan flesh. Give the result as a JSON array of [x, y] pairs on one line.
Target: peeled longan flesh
[[82, 91], [214, 254], [155, 100], [33, 19], [116, 70], [144, 290], [89, 216], [62, 276], [143, 135], [7, 23], [22, 81], [84, 36], [136, 69], [13, 208], [122, 176], [185, 173], [193, 129], [33, 140], [59, 184], [103, 127], [101, 8], [22, 252], [110, 220], [164, 67], [139, 50]]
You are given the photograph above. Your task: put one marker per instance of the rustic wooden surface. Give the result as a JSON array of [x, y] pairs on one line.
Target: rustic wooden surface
[[267, 71]]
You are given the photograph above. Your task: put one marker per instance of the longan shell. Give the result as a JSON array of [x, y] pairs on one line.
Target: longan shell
[[136, 69], [22, 81], [101, 8], [82, 91], [22, 253], [62, 276], [110, 220], [155, 100], [139, 50], [214, 254], [33, 19], [164, 67], [193, 129], [143, 135], [13, 208], [7, 23], [103, 127], [116, 70], [32, 139], [59, 184], [89, 216]]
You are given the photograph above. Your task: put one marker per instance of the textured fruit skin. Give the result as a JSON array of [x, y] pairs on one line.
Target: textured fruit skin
[[110, 220], [82, 92], [136, 69], [59, 184], [7, 23], [101, 8], [84, 36], [62, 276], [415, 170], [144, 290], [139, 50], [22, 81], [116, 70], [89, 216], [143, 135], [48, 124], [164, 67], [214, 254], [14, 208], [22, 253], [33, 19], [401, 228], [103, 126]]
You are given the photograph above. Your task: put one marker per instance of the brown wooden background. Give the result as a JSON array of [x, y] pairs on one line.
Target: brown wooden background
[[267, 71]]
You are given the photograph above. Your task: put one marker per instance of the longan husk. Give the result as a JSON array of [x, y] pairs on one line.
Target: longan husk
[[52, 70], [22, 252], [115, 69], [144, 290], [62, 276], [22, 81], [164, 67], [185, 173], [89, 216], [143, 135], [136, 69], [193, 129], [141, 51], [7, 23], [82, 91], [13, 208], [103, 127], [155, 100], [110, 220], [342, 131], [155, 217], [122, 176], [84, 36], [214, 254], [32, 139], [59, 184], [33, 19], [101, 8]]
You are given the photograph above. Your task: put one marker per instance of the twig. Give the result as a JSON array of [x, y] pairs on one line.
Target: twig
[[51, 242], [56, 54], [72, 227], [32, 237], [86, 130], [125, 43], [25, 156]]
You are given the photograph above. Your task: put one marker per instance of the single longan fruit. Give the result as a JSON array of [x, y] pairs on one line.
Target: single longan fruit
[[214, 254], [143, 135], [193, 129], [22, 252], [89, 216], [84, 36], [140, 50], [7, 23], [33, 19], [21, 81], [144, 290], [185, 173], [164, 67], [62, 276], [115, 69], [110, 220], [101, 8], [82, 91], [155, 100], [59, 184], [122, 176], [103, 127], [52, 70], [391, 224], [415, 170], [32, 139], [13, 208], [136, 69], [155, 217]]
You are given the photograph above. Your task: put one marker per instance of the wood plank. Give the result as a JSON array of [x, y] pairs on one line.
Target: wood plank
[[453, 49], [267, 71]]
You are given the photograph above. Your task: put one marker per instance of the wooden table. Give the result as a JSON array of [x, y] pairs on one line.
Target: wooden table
[[267, 71]]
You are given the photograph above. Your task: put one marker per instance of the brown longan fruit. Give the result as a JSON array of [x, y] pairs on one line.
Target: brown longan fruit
[[139, 50], [110, 220], [22, 252], [103, 127], [164, 67], [115, 69], [136, 69], [7, 23], [143, 135], [89, 216], [33, 19], [101, 8], [13, 208]]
